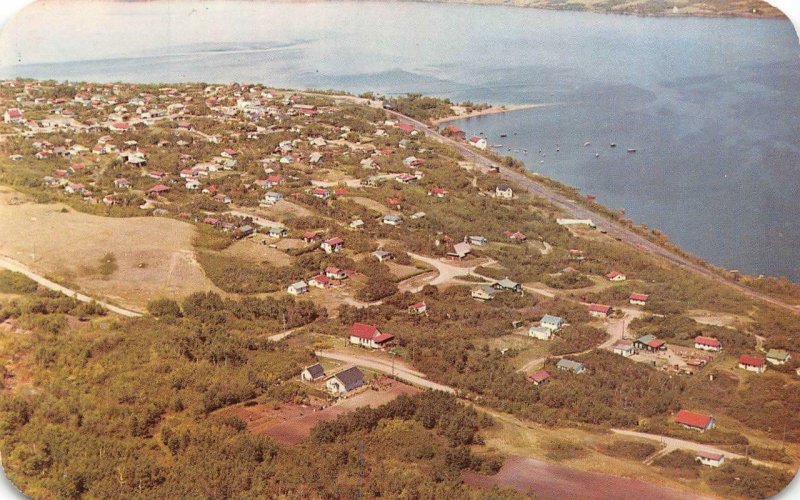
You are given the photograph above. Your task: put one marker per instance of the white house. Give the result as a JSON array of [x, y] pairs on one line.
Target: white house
[[312, 373], [504, 191], [369, 336], [707, 343], [540, 332], [297, 288], [392, 219], [710, 459], [478, 142], [484, 292], [624, 348], [552, 323], [345, 381], [332, 245]]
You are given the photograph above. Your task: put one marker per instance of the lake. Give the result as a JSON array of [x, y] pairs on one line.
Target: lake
[[711, 106]]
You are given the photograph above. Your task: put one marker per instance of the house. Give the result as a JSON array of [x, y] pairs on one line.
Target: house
[[551, 322], [576, 222], [332, 245], [540, 377], [122, 183], [418, 308], [369, 336], [707, 343], [478, 142], [478, 241], [507, 284], [540, 332], [504, 191], [12, 115], [624, 349], [119, 126], [278, 232], [615, 276], [320, 281], [335, 273], [392, 219], [569, 365], [312, 373], [437, 192], [710, 459], [453, 131], [357, 224], [696, 421], [321, 193], [599, 310], [272, 198], [192, 184], [158, 189], [345, 381], [778, 356], [650, 343], [297, 288], [516, 236], [483, 292], [382, 255], [752, 363], [310, 237], [638, 299], [243, 231], [459, 251]]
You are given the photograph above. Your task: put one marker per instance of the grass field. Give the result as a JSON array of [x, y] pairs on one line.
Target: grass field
[[252, 250], [153, 256]]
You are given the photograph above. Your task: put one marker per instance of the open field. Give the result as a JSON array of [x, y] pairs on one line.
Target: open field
[[154, 256], [252, 250], [291, 423]]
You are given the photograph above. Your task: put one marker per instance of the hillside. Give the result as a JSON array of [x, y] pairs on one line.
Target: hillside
[[341, 254]]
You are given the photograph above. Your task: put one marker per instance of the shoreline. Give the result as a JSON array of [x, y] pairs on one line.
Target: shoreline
[[491, 110]]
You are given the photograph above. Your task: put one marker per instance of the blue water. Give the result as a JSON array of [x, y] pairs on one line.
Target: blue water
[[711, 105]]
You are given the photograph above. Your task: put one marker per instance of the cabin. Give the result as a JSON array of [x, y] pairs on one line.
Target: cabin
[[312, 373], [320, 281], [778, 356], [478, 241], [332, 245], [707, 344], [624, 349], [752, 363], [366, 335], [271, 198], [459, 251], [638, 299], [297, 288], [418, 308], [540, 377], [615, 276], [243, 231], [345, 381], [695, 421], [504, 191], [382, 255], [710, 459], [478, 142], [551, 322], [507, 285], [540, 332], [599, 310], [392, 220], [650, 343], [278, 232], [572, 366], [335, 273], [483, 292]]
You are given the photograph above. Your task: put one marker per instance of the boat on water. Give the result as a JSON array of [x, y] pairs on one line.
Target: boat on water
[[587, 144], [597, 155], [503, 135], [613, 144], [631, 150], [497, 145]]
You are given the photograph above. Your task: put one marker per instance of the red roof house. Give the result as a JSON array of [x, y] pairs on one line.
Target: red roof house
[[707, 343], [697, 421], [540, 377], [752, 363], [599, 310], [368, 336]]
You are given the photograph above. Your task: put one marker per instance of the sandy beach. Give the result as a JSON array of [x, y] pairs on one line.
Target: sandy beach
[[461, 112]]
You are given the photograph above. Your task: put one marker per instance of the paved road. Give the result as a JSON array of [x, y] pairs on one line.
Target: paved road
[[398, 370], [574, 209], [13, 265]]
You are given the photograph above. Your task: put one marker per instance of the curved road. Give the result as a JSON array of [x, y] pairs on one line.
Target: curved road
[[13, 265], [576, 210]]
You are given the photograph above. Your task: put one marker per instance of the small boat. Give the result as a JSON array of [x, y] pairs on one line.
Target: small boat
[[597, 155], [631, 150], [613, 144], [541, 162], [497, 145], [587, 144], [503, 135]]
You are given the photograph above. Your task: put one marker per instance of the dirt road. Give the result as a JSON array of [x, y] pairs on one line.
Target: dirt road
[[15, 266], [399, 370], [575, 210]]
